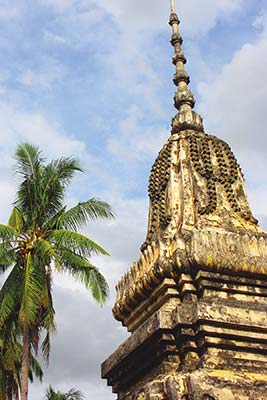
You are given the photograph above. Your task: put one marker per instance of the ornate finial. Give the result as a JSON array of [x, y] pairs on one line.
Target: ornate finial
[[184, 99]]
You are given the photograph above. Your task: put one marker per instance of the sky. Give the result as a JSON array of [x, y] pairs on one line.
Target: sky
[[93, 79]]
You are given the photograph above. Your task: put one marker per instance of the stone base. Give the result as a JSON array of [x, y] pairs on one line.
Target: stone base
[[204, 337], [201, 385]]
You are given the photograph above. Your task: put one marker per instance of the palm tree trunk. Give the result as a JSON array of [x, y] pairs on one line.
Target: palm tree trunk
[[25, 363]]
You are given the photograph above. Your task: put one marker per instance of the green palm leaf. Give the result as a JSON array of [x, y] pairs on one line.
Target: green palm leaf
[[46, 347], [85, 272], [75, 242], [29, 159], [10, 294], [36, 368], [83, 212], [16, 220], [65, 167], [97, 284], [7, 232], [73, 394], [7, 256], [32, 291]]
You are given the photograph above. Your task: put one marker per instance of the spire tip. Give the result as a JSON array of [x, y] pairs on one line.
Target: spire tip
[[172, 6], [184, 100]]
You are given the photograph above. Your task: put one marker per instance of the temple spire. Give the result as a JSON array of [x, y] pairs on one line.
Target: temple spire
[[184, 100]]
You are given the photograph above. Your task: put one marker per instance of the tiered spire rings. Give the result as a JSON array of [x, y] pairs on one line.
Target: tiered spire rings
[[184, 99]]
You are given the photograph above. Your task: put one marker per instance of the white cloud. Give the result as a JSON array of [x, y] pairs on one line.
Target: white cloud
[[60, 5], [9, 12], [41, 79], [54, 38], [18, 125], [135, 140], [235, 102], [137, 14], [261, 22]]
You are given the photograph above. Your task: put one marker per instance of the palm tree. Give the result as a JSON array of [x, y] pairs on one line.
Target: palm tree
[[41, 234], [72, 394]]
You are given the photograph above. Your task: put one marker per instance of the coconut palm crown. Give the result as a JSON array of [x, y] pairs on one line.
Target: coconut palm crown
[[42, 235]]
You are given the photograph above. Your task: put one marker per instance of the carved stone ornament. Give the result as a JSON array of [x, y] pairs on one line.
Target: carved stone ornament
[[174, 19], [141, 396], [184, 97], [176, 38], [181, 76], [187, 120], [179, 57]]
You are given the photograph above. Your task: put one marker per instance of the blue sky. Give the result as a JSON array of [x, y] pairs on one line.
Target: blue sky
[[94, 79]]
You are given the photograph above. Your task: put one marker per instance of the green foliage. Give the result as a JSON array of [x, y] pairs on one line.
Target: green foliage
[[10, 362], [42, 233], [83, 212], [74, 241], [7, 233], [16, 220], [72, 394]]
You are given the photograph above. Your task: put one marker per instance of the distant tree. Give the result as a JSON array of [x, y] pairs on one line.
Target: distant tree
[[72, 394], [42, 233], [10, 363]]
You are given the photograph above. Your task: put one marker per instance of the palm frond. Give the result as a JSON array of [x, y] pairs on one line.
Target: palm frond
[[51, 195], [43, 256], [73, 394], [65, 168], [70, 259], [75, 242], [35, 367], [45, 251], [28, 159], [48, 394], [16, 220], [10, 294], [7, 256], [55, 178], [86, 273], [26, 200], [54, 222], [98, 285], [83, 212], [33, 286], [7, 232], [46, 347]]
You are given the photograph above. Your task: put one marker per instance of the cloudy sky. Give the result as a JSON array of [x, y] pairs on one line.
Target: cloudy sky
[[94, 79]]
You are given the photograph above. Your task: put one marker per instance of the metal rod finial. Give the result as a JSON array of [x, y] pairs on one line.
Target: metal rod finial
[[172, 6]]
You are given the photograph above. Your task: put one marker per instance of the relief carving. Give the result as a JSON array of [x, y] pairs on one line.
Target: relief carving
[[141, 396]]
